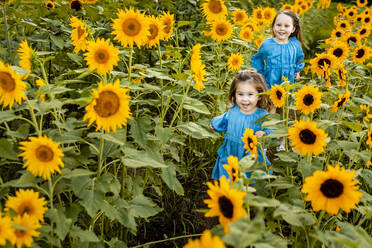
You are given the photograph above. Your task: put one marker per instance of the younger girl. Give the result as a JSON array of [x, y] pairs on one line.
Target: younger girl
[[281, 55], [246, 108]]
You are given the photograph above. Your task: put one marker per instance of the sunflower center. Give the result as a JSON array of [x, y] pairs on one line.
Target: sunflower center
[[338, 52], [167, 26], [340, 74], [80, 32], [101, 56], [360, 53], [131, 26], [239, 17], [351, 13], [338, 34], [49, 5], [226, 207], [215, 6], [361, 1], [359, 19], [279, 94], [233, 171], [363, 31], [367, 19], [108, 104], [25, 209], [153, 31], [76, 5], [353, 39], [323, 62], [307, 136], [250, 143], [267, 15], [221, 29], [308, 99], [19, 233], [44, 153], [343, 25], [7, 82], [235, 61], [341, 102], [332, 188], [259, 15]]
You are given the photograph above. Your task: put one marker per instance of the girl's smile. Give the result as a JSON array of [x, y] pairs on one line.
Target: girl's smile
[[246, 97]]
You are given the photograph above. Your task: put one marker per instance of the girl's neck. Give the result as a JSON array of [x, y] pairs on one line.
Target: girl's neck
[[281, 41]]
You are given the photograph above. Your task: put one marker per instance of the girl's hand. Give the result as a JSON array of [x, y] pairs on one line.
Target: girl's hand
[[259, 134], [210, 126], [297, 76]]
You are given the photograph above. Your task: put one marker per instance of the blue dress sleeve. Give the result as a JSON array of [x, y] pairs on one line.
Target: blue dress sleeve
[[219, 123], [300, 57], [257, 60]]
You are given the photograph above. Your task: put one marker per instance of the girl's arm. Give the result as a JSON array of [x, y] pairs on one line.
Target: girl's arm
[[300, 57], [219, 123], [257, 60]]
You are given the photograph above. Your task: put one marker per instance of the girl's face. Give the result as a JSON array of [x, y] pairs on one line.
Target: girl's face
[[283, 28], [246, 97]]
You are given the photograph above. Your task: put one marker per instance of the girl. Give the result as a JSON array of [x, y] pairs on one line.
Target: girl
[[281, 55], [246, 107]]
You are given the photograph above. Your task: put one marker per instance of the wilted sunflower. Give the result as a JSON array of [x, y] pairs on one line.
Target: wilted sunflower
[[318, 63], [25, 235], [101, 55], [364, 32], [308, 99], [306, 138], [206, 241], [277, 95], [221, 30], [235, 61], [362, 3], [225, 202], [342, 99], [332, 190], [350, 37], [110, 107], [250, 142], [214, 10], [199, 77], [76, 5], [287, 7], [269, 14], [167, 22], [49, 4], [11, 86], [79, 34], [130, 27], [340, 50], [25, 53], [361, 53], [240, 17], [27, 202], [156, 32], [369, 137], [6, 230], [246, 34], [232, 168], [43, 156]]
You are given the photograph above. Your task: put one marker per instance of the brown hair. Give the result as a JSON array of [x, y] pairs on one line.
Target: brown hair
[[253, 77], [296, 23]]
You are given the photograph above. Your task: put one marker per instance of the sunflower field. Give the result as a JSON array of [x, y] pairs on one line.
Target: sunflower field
[[105, 138]]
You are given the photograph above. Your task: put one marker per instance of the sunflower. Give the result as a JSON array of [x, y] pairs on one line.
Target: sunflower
[[235, 61], [308, 99], [369, 137], [240, 17], [39, 82], [246, 34], [258, 14], [351, 14], [79, 34], [49, 4], [225, 202], [269, 14], [361, 53], [199, 77], [250, 142], [27, 202], [342, 99], [43, 156], [25, 53], [232, 168], [221, 30], [6, 230], [306, 138], [332, 190], [195, 61], [365, 110], [366, 20], [11, 86], [340, 50], [364, 32], [337, 33], [101, 55], [350, 37], [167, 22], [251, 24], [341, 75], [368, 164], [287, 7], [206, 240], [258, 41], [277, 95], [319, 63], [130, 27], [110, 107], [214, 10], [343, 24], [24, 235], [362, 3], [76, 5], [156, 32]]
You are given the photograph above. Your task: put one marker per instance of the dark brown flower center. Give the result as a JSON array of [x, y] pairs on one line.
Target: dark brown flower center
[[307, 137], [323, 62], [215, 6], [338, 52], [352, 38], [76, 5], [108, 104], [19, 233], [343, 25], [80, 32], [363, 31], [153, 31], [167, 23], [340, 74], [239, 17], [250, 143], [226, 207], [279, 94], [341, 102], [7, 82], [351, 13], [308, 99], [50, 5], [367, 20], [332, 188], [44, 153], [360, 53], [221, 29], [25, 209], [338, 34], [101, 56], [131, 27]]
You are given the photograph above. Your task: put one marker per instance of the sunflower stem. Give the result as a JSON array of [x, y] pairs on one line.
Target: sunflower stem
[[100, 154], [34, 121], [130, 63], [320, 217], [51, 192], [6, 30], [181, 105]]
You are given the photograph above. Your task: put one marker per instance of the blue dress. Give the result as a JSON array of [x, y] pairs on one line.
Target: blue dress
[[234, 123], [274, 60]]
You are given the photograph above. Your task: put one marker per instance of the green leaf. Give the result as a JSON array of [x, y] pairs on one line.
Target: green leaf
[[115, 243], [168, 175], [58, 41], [299, 219], [142, 206], [67, 173], [26, 180], [83, 235], [184, 23], [367, 175], [288, 156], [92, 200], [7, 150], [76, 58], [163, 134], [260, 201], [106, 136], [21, 133], [142, 159], [196, 105], [139, 129], [7, 115], [63, 224], [194, 130], [269, 240], [152, 73], [353, 126], [279, 133]]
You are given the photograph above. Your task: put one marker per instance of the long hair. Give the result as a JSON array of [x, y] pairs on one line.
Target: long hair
[[296, 23], [253, 77]]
